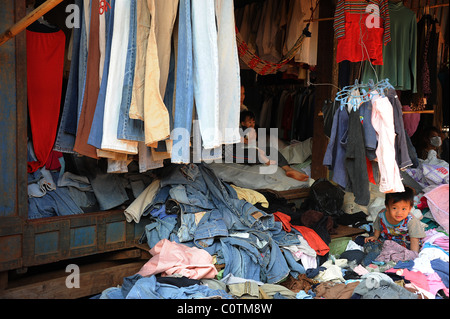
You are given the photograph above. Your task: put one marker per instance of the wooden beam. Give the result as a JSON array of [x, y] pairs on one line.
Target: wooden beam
[[326, 66], [93, 280], [27, 20]]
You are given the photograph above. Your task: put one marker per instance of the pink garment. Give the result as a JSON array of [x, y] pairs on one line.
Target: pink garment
[[435, 283], [360, 270], [410, 121], [437, 200], [171, 258], [436, 238], [416, 277], [383, 123], [392, 251]]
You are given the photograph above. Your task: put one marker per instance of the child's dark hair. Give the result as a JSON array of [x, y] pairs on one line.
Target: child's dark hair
[[245, 114], [407, 195]]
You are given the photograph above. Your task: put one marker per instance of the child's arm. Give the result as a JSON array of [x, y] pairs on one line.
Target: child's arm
[[414, 244], [375, 236]]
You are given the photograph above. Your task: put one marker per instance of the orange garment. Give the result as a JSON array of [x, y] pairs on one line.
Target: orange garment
[[313, 239]]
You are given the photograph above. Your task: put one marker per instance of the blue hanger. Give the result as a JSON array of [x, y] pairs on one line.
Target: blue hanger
[[344, 95]]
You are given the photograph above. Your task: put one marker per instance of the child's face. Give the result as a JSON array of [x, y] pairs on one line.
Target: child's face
[[398, 211], [249, 122]]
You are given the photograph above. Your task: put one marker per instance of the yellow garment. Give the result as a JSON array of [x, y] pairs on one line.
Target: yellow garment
[[251, 196]]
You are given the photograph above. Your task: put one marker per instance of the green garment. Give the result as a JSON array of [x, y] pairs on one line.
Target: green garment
[[399, 55]]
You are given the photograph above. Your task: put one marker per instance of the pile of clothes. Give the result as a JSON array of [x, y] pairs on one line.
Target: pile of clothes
[[211, 239]]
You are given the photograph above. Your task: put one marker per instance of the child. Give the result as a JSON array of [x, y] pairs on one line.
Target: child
[[395, 222], [248, 126]]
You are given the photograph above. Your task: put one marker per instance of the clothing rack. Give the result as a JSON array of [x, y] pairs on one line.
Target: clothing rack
[[404, 112], [415, 10]]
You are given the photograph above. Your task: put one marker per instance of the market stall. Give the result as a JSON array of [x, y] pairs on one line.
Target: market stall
[[132, 109]]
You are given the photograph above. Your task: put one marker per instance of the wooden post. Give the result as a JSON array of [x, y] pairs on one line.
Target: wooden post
[[326, 66], [27, 20]]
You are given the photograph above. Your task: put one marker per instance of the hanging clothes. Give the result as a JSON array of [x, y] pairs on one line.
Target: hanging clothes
[[184, 99], [383, 123], [427, 60], [303, 124], [355, 160], [45, 64], [229, 73], [96, 133], [92, 87], [128, 128], [101, 121], [116, 77], [264, 40], [299, 11], [155, 113], [400, 54], [65, 138], [361, 35], [401, 148], [206, 71], [165, 15], [334, 157]]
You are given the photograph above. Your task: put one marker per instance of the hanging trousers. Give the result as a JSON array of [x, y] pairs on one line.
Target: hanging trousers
[[45, 63], [92, 87]]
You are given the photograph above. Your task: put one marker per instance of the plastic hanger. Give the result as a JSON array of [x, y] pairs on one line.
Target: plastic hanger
[[352, 97]]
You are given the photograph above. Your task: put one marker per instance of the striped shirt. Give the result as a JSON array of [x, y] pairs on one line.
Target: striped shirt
[[359, 7]]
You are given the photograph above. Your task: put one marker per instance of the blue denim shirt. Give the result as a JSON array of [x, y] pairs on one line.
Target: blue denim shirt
[[334, 157]]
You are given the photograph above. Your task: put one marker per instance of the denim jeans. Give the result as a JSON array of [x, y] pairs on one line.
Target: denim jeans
[[96, 134], [295, 267], [130, 129], [71, 127], [55, 203], [184, 94], [283, 238], [68, 179], [65, 138], [187, 227], [206, 71], [210, 226], [225, 198], [191, 199], [116, 77], [241, 258], [138, 287], [159, 229], [273, 265], [184, 174], [189, 191], [109, 189]]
